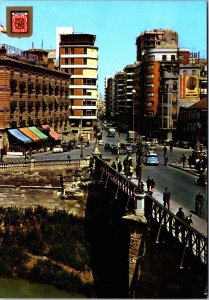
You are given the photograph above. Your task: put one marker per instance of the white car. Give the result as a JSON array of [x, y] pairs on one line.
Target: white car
[[57, 149]]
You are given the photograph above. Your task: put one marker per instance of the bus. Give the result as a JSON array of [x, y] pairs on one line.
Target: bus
[[111, 132]]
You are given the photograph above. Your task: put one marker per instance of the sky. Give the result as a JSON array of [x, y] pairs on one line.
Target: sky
[[116, 25]]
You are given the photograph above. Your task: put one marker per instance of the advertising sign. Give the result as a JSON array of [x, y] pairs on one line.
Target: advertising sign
[[191, 86]]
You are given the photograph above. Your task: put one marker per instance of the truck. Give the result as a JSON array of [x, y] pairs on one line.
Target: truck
[[131, 137]]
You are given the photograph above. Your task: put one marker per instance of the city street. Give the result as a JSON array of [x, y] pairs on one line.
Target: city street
[[181, 184]]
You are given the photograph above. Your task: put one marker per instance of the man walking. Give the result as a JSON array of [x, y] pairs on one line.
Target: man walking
[[199, 202], [166, 198], [148, 182]]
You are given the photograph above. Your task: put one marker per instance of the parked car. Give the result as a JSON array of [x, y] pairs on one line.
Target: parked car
[[151, 160], [184, 144], [57, 149]]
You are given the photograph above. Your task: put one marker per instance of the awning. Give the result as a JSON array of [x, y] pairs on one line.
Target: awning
[[52, 132], [40, 134], [20, 136], [30, 134]]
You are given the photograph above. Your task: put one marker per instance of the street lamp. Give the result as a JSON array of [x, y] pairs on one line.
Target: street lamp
[[81, 137], [133, 93]]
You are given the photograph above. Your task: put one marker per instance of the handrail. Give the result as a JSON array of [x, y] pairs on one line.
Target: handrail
[[155, 211], [40, 163]]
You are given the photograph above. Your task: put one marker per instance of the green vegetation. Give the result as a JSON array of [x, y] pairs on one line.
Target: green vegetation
[[45, 247]]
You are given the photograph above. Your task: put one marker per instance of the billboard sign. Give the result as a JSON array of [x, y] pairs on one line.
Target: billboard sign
[[191, 86]]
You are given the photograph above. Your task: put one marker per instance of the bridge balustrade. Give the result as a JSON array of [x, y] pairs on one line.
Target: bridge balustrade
[[155, 211]]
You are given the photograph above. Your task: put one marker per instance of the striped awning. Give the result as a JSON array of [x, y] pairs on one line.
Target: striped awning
[[40, 134], [20, 136], [30, 134], [52, 132]]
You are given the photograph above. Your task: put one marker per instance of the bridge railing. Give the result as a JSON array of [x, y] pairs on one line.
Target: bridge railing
[[43, 163], [155, 211]]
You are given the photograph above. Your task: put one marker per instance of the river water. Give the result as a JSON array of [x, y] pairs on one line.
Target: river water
[[19, 288]]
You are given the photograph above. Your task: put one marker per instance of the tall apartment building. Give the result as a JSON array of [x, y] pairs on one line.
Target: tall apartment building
[[78, 57], [110, 97], [157, 38], [32, 95]]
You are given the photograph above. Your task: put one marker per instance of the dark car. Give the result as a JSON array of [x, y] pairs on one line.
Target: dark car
[[118, 150], [184, 145], [108, 146]]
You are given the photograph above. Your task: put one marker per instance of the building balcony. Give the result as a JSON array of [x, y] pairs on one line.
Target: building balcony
[[91, 117], [93, 67], [93, 56], [89, 87], [84, 97]]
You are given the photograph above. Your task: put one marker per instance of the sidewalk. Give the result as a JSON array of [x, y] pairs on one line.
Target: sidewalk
[[198, 223]]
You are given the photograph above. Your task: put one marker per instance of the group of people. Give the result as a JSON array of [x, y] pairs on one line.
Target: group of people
[[127, 166], [188, 219]]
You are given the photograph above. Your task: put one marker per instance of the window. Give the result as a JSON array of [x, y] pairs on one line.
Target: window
[[66, 61], [72, 61], [193, 72], [173, 57], [72, 81], [151, 57], [149, 76], [149, 85], [72, 71], [85, 50], [149, 94], [164, 58], [71, 91], [175, 85], [148, 103], [150, 67], [66, 50], [72, 50], [184, 72], [85, 61]]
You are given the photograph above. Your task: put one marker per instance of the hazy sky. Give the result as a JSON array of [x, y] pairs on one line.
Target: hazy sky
[[116, 25]]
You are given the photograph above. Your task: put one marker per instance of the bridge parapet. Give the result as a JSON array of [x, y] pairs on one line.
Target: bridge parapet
[[191, 238]]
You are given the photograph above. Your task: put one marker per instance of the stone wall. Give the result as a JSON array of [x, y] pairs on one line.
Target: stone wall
[[44, 187]]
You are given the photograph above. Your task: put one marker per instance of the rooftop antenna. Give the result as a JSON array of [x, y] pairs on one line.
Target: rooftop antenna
[[32, 45], [42, 44]]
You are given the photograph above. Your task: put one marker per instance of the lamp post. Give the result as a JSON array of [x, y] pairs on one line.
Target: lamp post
[[133, 125], [81, 137]]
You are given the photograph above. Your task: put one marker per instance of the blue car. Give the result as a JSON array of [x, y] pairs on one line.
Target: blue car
[[152, 160]]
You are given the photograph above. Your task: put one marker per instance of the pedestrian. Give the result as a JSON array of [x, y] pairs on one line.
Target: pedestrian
[[199, 203], [131, 170], [142, 186], [119, 166], [113, 165], [148, 182], [190, 161], [165, 150], [180, 214], [188, 219], [127, 170], [171, 148], [152, 185], [183, 160], [165, 160], [166, 198]]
